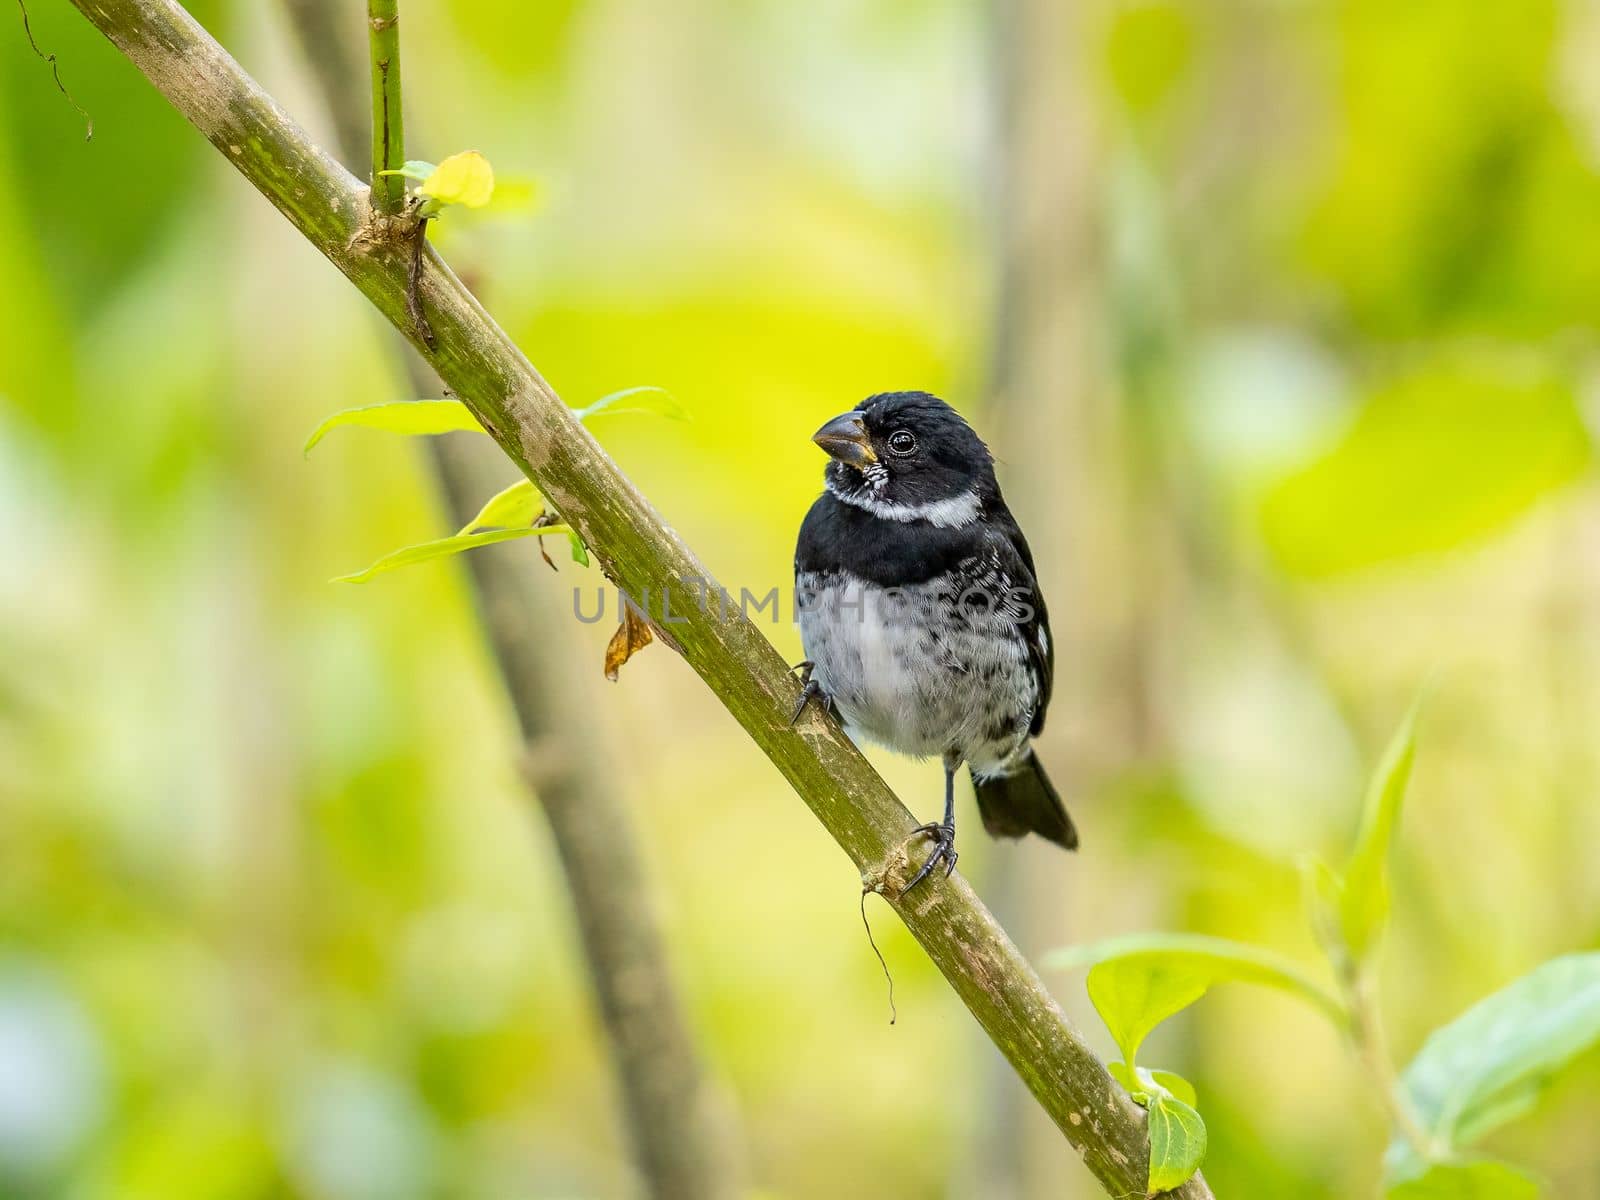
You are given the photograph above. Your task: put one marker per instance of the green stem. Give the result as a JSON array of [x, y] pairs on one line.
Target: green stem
[[388, 125], [640, 553], [1372, 1043]]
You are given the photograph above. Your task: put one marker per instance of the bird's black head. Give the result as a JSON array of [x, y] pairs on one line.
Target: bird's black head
[[908, 455]]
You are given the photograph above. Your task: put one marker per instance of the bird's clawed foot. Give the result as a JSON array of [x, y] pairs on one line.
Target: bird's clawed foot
[[944, 850], [810, 690]]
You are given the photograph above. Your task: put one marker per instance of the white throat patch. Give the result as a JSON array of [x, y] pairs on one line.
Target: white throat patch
[[948, 514]]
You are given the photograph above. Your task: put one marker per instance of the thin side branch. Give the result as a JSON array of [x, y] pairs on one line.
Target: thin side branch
[[638, 551], [671, 1110], [388, 124]]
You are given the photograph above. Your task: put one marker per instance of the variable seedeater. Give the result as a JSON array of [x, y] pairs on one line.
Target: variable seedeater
[[920, 613]]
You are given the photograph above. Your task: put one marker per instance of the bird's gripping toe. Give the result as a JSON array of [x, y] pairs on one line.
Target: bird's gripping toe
[[944, 850], [810, 690]]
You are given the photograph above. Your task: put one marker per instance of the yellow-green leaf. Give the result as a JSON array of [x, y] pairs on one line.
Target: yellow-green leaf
[[646, 399], [1174, 1083], [1138, 981], [1364, 892], [465, 178], [402, 416], [516, 506], [1177, 1143], [1324, 900], [1483, 1180], [1142, 1084], [425, 551]]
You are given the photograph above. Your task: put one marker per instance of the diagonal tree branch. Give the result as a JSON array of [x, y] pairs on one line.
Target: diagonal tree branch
[[642, 554], [673, 1119]]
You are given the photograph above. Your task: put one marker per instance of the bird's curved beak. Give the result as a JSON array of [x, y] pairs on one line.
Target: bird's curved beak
[[845, 438]]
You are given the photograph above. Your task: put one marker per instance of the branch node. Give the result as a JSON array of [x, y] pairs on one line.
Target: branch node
[[377, 231], [890, 877]]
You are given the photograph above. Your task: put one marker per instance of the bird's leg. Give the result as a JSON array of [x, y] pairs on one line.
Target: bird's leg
[[810, 690], [943, 834]]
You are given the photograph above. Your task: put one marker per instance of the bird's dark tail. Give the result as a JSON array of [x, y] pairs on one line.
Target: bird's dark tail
[[1024, 802]]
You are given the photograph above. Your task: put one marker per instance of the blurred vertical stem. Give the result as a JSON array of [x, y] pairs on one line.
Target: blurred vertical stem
[[639, 551], [1042, 396], [388, 125], [672, 1113], [1372, 1043]]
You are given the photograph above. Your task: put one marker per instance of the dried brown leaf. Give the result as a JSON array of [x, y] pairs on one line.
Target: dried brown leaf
[[633, 635]]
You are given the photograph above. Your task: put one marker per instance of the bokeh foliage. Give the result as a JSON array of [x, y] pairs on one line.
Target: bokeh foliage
[[275, 917]]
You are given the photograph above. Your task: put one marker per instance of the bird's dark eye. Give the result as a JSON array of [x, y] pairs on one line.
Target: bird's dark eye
[[902, 442]]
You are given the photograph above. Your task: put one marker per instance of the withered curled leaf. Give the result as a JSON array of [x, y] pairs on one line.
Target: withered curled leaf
[[633, 635]]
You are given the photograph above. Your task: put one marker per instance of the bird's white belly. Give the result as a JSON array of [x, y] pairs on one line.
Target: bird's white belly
[[902, 671], [890, 682]]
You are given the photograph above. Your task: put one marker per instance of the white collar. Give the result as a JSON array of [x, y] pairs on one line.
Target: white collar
[[947, 514]]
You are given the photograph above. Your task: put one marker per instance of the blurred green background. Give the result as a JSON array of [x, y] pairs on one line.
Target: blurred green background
[[1297, 401]]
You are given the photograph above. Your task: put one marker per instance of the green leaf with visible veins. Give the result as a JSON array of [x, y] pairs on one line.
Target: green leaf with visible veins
[[1364, 891], [518, 505], [1468, 1181], [1177, 1143], [1138, 981], [1488, 1065], [425, 551], [402, 416]]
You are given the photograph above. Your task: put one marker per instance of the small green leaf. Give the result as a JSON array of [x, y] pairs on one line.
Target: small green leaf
[[1141, 1084], [1364, 898], [1324, 901], [415, 168], [1177, 1143], [1175, 1084], [425, 551], [1138, 981], [1468, 1181], [580, 552], [1488, 1065], [518, 505], [646, 399], [402, 416]]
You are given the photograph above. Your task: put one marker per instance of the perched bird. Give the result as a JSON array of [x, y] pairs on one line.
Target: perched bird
[[920, 615]]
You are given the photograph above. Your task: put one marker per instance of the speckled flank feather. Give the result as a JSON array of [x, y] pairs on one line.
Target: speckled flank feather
[[916, 669]]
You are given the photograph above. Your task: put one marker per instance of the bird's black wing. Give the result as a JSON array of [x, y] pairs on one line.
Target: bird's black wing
[[1016, 561]]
